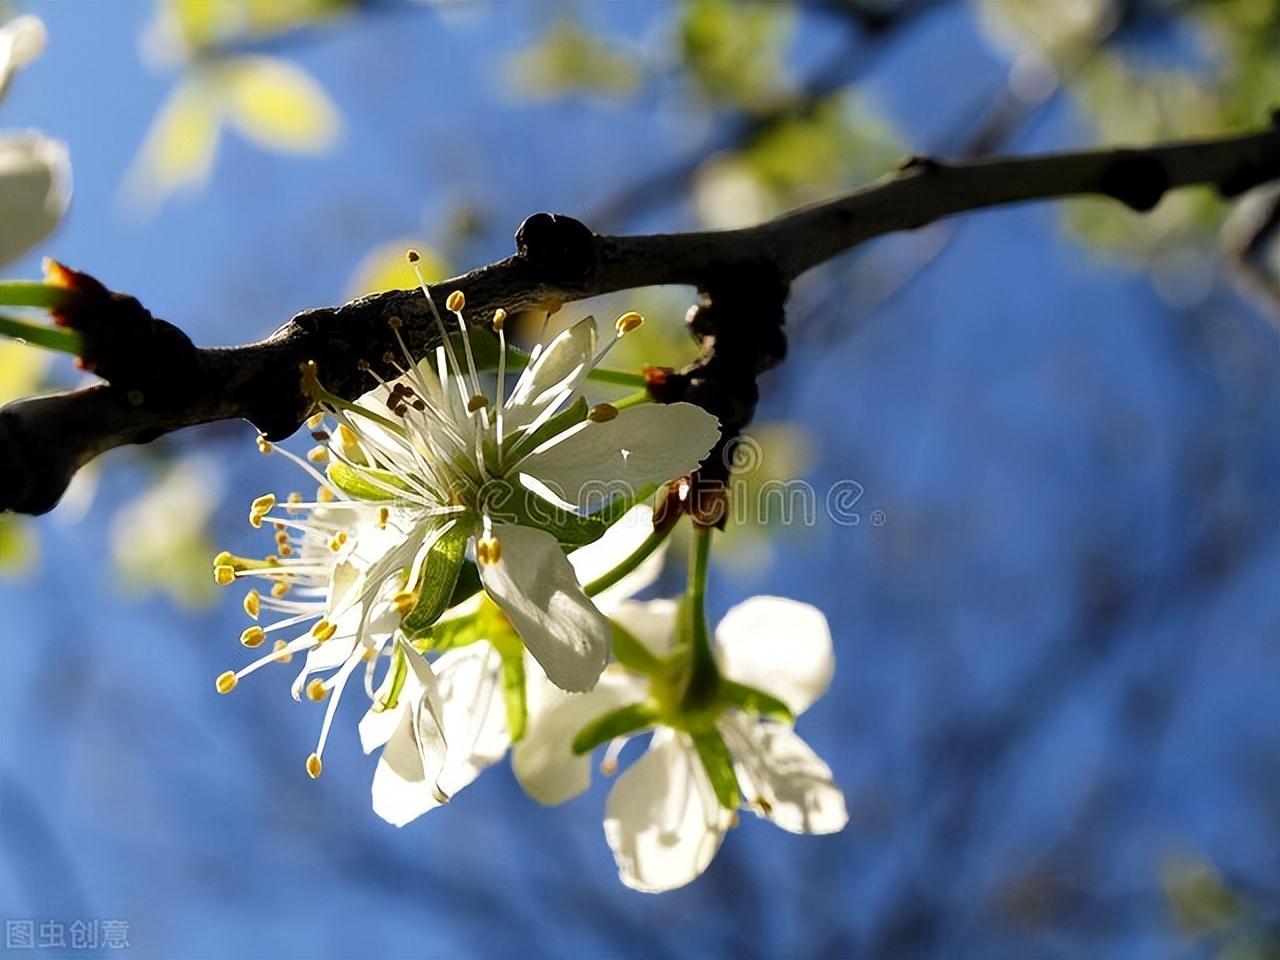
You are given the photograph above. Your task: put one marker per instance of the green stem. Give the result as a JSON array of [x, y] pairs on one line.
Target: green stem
[[41, 335], [400, 671], [632, 400], [704, 676], [621, 378], [637, 557], [32, 293]]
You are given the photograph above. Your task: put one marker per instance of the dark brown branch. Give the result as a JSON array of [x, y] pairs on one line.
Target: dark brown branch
[[45, 440]]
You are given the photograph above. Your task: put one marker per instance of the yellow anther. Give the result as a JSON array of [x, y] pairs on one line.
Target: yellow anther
[[285, 550], [223, 574], [602, 413], [478, 402], [318, 454], [255, 520], [279, 589], [404, 602], [324, 495], [263, 504], [314, 766], [383, 516], [488, 550], [226, 557], [628, 322], [226, 682], [369, 654], [316, 690], [282, 537], [765, 806], [272, 561], [253, 637], [294, 499], [315, 421], [337, 541], [499, 319], [412, 255], [282, 654], [264, 445], [323, 630], [455, 302], [252, 603], [349, 438]]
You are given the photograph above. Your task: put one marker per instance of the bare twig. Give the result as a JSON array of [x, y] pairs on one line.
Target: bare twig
[[45, 440]]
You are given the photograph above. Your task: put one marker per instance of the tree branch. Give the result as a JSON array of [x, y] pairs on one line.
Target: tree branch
[[159, 382]]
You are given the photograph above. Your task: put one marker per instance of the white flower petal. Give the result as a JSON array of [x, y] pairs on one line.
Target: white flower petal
[[35, 188], [402, 789], [774, 764], [377, 726], [534, 585], [653, 623], [780, 646], [563, 365], [662, 820], [543, 760], [405, 783], [588, 464], [22, 39], [475, 714], [620, 541]]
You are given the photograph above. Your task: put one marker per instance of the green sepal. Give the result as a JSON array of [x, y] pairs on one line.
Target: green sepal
[[437, 578], [616, 723], [754, 701], [487, 622], [468, 584], [507, 502], [366, 483], [632, 653], [718, 762]]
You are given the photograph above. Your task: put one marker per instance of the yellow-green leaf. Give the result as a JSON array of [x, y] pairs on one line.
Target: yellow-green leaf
[[180, 146], [276, 104]]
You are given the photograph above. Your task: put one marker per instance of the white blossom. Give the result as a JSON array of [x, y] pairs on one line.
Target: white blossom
[[664, 819]]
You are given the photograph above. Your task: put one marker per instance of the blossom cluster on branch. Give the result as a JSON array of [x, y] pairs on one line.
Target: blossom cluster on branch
[[471, 552]]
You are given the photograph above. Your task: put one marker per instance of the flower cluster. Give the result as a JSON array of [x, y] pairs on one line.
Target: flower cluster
[[475, 538]]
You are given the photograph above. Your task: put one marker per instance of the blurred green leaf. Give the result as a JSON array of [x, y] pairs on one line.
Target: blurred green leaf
[[179, 148], [276, 104], [734, 51], [18, 546], [569, 59], [160, 540], [839, 142], [201, 24], [1197, 896]]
